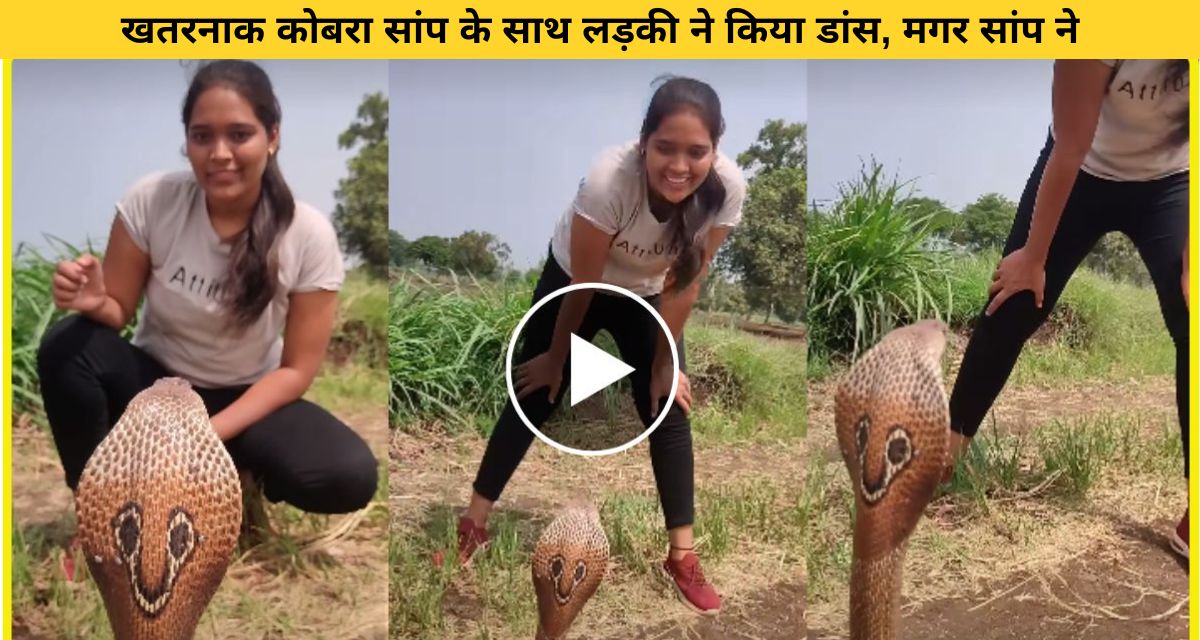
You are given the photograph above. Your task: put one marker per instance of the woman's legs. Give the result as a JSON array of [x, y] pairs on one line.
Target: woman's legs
[[302, 455], [636, 334], [510, 438], [88, 374], [1156, 220], [998, 339]]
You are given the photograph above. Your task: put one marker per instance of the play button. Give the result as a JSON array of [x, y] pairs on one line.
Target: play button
[[607, 373], [592, 369]]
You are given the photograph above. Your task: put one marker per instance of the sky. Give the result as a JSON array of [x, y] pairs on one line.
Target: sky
[[500, 146], [959, 128], [84, 131]]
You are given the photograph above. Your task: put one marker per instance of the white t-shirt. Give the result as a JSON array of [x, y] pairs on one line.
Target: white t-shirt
[[614, 197], [1137, 115], [183, 322]]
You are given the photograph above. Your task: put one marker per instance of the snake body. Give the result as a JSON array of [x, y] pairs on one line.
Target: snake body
[[159, 506], [569, 562], [892, 424]]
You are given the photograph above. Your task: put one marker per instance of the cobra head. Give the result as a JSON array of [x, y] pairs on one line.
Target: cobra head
[[159, 508], [569, 562], [893, 430]]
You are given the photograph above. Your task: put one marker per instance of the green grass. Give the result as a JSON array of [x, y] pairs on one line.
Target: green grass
[[871, 268], [1099, 329], [752, 388], [446, 351], [360, 332], [72, 610], [1104, 329], [447, 366], [824, 512], [33, 312]]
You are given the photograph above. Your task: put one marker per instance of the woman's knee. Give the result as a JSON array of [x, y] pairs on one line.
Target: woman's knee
[[1015, 321], [65, 339], [346, 482], [356, 480]]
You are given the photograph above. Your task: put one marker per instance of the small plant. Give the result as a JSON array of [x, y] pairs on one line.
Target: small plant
[[1079, 453]]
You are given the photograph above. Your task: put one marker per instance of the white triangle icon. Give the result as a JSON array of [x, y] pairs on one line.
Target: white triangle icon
[[592, 369]]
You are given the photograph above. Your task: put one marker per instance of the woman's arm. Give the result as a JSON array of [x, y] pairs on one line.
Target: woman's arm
[[589, 252], [107, 293], [675, 307], [306, 336], [1076, 97]]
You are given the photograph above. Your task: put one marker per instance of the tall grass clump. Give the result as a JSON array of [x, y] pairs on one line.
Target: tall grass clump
[[446, 348], [871, 266], [33, 312]]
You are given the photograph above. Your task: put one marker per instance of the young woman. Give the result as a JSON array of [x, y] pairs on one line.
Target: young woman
[[1116, 160], [238, 283], [648, 218]]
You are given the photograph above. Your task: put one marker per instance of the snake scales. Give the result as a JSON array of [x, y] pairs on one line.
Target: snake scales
[[160, 507], [892, 424], [569, 562]]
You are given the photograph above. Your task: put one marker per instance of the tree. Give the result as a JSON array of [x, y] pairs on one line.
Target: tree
[[943, 220], [361, 213], [1115, 256], [478, 253], [397, 249], [779, 145], [431, 251], [766, 253], [985, 223], [767, 250]]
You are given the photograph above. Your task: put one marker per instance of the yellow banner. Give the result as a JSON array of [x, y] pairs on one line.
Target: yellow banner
[[618, 29]]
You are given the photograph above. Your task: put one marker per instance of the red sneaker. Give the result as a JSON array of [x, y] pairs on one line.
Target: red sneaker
[[1179, 537], [68, 558], [693, 590], [470, 540]]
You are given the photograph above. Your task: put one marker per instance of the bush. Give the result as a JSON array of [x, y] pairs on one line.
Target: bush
[[872, 267]]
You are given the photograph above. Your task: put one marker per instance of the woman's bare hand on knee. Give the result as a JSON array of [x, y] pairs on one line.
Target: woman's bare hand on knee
[[1018, 271]]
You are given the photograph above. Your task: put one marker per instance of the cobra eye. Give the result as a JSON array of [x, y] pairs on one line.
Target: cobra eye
[[128, 525], [580, 571], [897, 450], [556, 567], [181, 537], [899, 447]]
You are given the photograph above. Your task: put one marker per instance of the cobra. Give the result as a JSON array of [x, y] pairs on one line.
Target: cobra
[[569, 562], [160, 507], [893, 425]]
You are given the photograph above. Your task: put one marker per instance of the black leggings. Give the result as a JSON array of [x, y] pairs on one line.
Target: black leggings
[[1153, 214], [302, 454], [635, 333]]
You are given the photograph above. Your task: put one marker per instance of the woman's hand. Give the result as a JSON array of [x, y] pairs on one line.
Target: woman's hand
[[1018, 271], [544, 370], [660, 387], [78, 284]]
